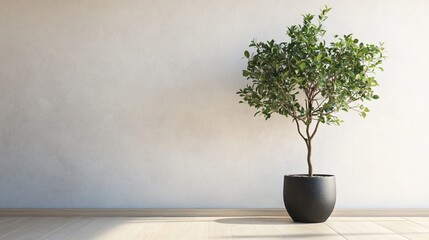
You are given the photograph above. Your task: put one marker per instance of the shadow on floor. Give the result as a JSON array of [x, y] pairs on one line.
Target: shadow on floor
[[256, 221], [332, 235]]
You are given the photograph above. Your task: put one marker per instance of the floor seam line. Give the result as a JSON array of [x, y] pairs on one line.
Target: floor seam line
[[336, 231], [53, 231], [417, 223], [400, 234]]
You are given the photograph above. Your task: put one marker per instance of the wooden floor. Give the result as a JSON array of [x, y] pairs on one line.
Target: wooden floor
[[109, 228]]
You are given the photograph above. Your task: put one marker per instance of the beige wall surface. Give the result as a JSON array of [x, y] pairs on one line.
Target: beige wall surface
[[132, 104]]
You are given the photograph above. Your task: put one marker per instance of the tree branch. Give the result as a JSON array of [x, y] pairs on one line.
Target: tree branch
[[315, 129], [299, 130], [307, 131]]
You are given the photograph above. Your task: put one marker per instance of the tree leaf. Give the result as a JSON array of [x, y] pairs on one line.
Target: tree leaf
[[246, 54]]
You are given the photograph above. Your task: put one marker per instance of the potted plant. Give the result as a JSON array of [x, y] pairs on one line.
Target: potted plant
[[310, 81]]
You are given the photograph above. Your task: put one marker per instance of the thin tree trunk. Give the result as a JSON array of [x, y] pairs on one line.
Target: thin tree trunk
[[310, 166], [307, 140]]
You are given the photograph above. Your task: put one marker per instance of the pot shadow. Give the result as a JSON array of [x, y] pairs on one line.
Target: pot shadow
[[332, 235], [257, 221]]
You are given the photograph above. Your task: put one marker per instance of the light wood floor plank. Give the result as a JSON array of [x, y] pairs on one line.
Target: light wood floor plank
[[219, 231], [182, 230], [128, 228], [362, 230], [122, 228], [275, 228], [404, 226], [250, 231], [10, 224], [34, 228], [422, 223], [86, 228], [385, 218], [314, 231], [70, 229], [98, 229], [13, 225], [408, 229], [319, 231], [150, 230], [417, 218]]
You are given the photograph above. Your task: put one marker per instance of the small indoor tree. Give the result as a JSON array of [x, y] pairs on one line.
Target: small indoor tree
[[310, 80]]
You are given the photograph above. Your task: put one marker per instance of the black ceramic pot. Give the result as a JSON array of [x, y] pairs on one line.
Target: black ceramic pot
[[309, 199]]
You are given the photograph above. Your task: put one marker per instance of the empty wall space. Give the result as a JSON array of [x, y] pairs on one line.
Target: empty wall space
[[132, 104]]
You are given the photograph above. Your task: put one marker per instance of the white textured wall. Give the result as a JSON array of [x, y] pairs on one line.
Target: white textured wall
[[132, 103]]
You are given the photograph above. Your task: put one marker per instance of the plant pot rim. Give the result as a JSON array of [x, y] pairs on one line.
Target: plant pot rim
[[306, 176]]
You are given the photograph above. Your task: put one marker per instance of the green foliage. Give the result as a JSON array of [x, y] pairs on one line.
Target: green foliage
[[308, 79]]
